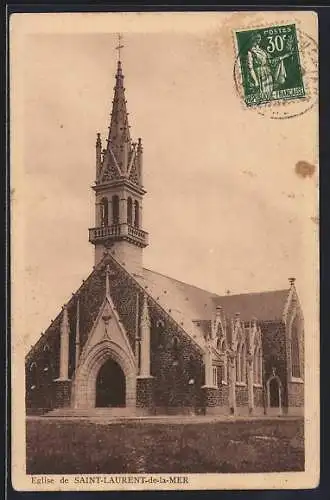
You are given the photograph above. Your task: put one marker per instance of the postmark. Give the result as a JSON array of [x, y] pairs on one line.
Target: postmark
[[276, 70]]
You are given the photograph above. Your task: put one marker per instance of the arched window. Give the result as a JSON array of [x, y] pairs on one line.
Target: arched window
[[260, 365], [238, 364], [295, 354], [215, 376], [220, 343], [225, 370], [255, 366], [138, 349], [129, 210], [104, 212], [243, 369], [115, 209], [136, 214]]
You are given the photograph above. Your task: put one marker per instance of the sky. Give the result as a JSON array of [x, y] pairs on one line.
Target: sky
[[225, 209]]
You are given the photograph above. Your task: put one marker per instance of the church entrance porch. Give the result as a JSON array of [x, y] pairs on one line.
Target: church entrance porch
[[110, 386], [106, 378]]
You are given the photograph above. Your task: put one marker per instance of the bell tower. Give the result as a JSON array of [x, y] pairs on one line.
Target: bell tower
[[119, 188]]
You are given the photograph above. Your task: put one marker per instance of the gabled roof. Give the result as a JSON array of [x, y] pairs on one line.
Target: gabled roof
[[193, 304]]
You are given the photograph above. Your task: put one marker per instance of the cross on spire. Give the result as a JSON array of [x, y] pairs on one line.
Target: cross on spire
[[120, 45]]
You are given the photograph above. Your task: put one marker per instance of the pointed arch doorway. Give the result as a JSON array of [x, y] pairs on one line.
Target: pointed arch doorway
[[274, 395], [110, 390], [106, 376]]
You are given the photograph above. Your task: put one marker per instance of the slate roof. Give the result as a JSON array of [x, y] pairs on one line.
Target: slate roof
[[188, 302], [265, 306], [183, 296], [184, 302]]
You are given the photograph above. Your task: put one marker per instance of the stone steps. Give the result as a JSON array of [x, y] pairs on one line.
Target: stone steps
[[92, 412]]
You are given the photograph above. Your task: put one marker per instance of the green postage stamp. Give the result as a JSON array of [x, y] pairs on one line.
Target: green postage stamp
[[270, 64]]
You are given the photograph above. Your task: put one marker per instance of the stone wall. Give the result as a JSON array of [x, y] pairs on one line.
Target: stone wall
[[145, 393], [62, 391], [295, 394], [241, 395], [223, 395], [258, 397], [41, 368], [176, 363], [130, 256]]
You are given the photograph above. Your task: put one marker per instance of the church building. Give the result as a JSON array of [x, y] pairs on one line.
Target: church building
[[131, 341]]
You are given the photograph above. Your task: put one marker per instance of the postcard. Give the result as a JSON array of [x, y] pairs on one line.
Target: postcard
[[164, 251]]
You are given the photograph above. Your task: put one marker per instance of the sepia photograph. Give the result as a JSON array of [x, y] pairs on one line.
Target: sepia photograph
[[164, 250]]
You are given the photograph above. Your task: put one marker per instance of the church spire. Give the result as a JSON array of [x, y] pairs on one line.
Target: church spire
[[119, 140], [122, 158]]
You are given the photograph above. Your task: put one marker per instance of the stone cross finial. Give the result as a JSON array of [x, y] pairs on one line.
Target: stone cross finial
[[120, 45]]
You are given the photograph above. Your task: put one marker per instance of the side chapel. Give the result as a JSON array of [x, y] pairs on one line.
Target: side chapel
[[133, 341]]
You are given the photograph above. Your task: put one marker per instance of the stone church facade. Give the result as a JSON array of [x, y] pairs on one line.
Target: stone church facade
[[133, 341]]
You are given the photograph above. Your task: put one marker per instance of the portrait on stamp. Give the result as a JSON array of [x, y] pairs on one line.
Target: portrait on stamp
[[162, 226]]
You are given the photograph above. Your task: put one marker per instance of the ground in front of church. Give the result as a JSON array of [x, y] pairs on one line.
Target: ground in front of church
[[62, 446]]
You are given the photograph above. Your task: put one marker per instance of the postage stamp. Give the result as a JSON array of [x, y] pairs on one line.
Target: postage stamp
[[270, 64]]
